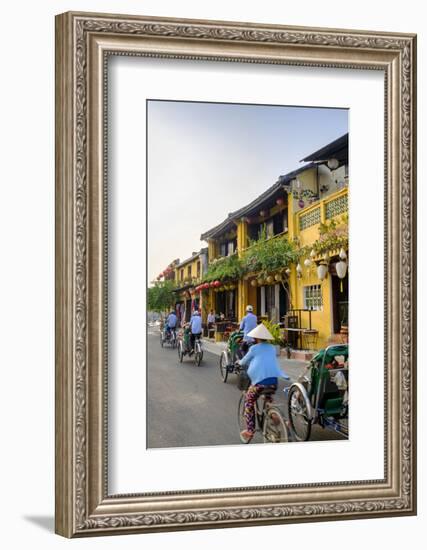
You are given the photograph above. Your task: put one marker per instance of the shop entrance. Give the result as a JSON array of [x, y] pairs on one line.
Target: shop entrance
[[339, 302]]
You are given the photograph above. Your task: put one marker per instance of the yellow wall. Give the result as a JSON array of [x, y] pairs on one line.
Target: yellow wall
[[193, 265], [320, 320]]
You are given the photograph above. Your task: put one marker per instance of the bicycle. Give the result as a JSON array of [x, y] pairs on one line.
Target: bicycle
[[184, 347], [169, 337], [268, 418]]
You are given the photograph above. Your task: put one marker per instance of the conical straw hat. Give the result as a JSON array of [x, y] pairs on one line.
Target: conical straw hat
[[261, 332]]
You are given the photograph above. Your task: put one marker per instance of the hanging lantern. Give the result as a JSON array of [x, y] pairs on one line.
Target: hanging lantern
[[342, 254], [312, 254], [301, 203], [260, 281], [299, 270], [212, 284], [307, 263], [253, 282], [263, 213], [341, 269], [278, 277], [217, 284], [333, 164], [270, 279], [322, 270], [280, 201], [288, 271]]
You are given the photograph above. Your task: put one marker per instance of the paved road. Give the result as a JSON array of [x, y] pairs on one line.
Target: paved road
[[191, 406]]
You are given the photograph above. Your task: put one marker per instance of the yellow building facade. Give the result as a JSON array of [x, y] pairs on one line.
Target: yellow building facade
[[298, 208]]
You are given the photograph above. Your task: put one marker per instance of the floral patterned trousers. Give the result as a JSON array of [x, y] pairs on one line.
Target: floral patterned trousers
[[252, 394]]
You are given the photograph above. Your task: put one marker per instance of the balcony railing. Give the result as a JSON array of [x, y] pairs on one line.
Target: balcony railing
[[322, 210]]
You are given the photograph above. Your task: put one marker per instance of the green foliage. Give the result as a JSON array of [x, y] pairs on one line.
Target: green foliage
[[274, 328], [268, 254], [333, 235], [223, 269], [161, 297]]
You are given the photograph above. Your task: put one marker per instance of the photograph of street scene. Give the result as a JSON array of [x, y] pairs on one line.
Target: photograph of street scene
[[247, 274]]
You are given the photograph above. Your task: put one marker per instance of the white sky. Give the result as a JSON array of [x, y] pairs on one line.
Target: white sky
[[208, 159]]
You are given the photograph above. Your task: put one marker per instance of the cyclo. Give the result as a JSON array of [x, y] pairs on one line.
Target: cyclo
[[320, 395], [230, 356], [184, 346], [167, 336]]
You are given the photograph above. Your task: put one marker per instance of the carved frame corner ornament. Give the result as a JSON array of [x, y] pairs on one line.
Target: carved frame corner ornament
[[83, 43]]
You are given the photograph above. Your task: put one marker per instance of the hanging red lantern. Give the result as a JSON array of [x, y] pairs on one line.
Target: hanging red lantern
[[217, 284], [280, 201]]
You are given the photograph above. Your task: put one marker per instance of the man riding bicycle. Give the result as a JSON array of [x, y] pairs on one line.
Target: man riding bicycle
[[171, 323], [195, 327], [263, 372], [248, 323]]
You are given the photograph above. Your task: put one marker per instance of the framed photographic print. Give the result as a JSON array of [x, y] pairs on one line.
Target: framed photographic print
[[235, 218]]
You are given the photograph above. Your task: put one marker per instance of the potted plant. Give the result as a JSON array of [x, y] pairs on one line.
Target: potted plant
[[274, 329]]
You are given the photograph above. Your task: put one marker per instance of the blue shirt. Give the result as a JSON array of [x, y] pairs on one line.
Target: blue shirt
[[263, 363], [171, 321], [196, 324], [249, 322]]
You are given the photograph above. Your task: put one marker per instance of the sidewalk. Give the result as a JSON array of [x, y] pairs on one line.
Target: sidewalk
[[292, 367]]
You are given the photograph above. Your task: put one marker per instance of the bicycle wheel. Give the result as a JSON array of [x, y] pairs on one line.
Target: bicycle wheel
[[161, 339], [298, 414], [198, 354], [223, 362], [180, 352], [241, 421], [274, 428]]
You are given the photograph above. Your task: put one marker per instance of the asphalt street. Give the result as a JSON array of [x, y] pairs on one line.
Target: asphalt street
[[191, 406]]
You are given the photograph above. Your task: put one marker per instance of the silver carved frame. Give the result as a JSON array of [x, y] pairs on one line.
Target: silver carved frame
[[83, 43]]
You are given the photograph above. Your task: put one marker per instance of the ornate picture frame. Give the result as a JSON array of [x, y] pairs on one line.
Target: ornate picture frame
[[83, 43]]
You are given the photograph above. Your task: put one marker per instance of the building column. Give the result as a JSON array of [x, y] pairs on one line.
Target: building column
[[212, 250], [242, 298], [242, 236], [291, 218]]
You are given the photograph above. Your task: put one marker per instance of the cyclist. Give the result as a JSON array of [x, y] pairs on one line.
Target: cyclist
[[248, 323], [263, 372], [195, 328], [171, 322]]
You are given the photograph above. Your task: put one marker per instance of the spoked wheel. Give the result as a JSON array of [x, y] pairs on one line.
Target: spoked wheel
[[298, 414], [161, 339], [173, 341], [198, 354], [180, 352], [241, 417], [274, 429], [223, 362]]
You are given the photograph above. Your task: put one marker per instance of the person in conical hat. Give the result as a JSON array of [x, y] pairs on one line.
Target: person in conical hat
[[263, 371]]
